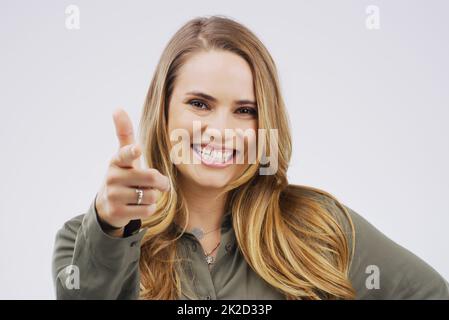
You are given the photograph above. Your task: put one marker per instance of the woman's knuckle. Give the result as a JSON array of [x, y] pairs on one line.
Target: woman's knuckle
[[111, 177], [113, 194]]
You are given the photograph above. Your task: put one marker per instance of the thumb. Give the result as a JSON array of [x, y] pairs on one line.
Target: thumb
[[123, 127]]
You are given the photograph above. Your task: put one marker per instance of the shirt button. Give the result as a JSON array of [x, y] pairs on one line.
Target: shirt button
[[207, 297], [133, 244], [228, 246]]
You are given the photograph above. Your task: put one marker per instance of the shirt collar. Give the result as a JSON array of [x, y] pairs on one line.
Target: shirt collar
[[226, 223]]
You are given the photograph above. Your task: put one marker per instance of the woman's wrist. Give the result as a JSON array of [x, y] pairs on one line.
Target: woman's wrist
[[110, 229]]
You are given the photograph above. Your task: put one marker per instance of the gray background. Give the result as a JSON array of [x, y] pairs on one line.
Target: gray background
[[368, 109]]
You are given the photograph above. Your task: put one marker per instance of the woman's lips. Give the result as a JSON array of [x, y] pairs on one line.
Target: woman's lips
[[212, 156]]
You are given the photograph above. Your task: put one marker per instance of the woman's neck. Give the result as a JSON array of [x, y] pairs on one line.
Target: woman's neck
[[206, 208]]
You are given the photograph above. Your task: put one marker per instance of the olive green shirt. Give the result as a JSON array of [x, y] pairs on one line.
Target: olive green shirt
[[89, 264]]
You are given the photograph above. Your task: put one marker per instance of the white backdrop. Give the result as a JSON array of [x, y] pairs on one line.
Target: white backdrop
[[368, 108]]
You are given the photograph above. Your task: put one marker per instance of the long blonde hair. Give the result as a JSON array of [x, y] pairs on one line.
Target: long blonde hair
[[286, 233]]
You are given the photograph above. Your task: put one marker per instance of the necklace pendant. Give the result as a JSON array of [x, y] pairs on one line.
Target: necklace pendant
[[209, 259]]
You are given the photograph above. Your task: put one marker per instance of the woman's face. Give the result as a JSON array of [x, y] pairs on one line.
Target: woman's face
[[214, 90]]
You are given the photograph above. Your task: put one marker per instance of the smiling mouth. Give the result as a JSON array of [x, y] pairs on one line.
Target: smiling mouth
[[214, 157]]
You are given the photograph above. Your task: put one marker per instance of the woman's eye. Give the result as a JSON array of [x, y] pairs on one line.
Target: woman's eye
[[247, 110], [198, 104]]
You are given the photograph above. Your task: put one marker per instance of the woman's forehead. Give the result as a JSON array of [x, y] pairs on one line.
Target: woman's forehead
[[217, 73]]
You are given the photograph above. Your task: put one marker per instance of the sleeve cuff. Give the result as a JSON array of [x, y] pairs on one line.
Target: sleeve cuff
[[107, 250]]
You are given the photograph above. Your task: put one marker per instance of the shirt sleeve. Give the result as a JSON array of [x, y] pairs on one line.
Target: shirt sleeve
[[89, 264], [382, 269]]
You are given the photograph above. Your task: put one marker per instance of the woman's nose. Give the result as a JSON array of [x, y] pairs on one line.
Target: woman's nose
[[218, 125], [219, 120]]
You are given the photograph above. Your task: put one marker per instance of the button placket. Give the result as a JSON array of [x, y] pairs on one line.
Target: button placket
[[199, 265], [201, 276]]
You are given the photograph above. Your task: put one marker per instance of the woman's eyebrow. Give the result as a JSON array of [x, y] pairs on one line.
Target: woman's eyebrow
[[210, 98]]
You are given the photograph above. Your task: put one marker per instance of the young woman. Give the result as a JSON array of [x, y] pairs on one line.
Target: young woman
[[217, 228]]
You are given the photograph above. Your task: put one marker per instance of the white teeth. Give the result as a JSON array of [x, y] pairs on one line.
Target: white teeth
[[216, 154], [212, 155]]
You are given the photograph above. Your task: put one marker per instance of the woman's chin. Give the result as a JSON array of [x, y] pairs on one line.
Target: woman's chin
[[213, 179], [200, 175]]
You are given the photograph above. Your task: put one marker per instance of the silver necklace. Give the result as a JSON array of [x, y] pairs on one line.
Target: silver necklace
[[199, 233]]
